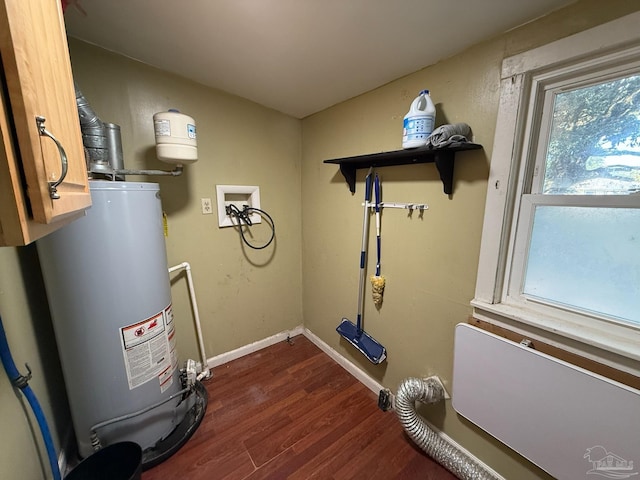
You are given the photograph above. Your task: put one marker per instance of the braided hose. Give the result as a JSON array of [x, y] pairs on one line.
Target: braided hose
[[443, 452]]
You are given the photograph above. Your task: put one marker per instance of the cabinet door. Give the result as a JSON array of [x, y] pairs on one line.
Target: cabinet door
[[39, 83], [17, 226]]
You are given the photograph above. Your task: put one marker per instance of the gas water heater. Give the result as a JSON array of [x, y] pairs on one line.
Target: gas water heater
[[108, 287], [109, 293]]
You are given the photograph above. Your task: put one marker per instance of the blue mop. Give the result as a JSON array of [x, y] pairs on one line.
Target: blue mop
[[355, 334]]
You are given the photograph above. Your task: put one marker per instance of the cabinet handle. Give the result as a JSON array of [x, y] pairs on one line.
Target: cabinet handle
[[53, 186]]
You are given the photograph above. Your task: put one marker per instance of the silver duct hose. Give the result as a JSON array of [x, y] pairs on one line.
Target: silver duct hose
[[443, 452]]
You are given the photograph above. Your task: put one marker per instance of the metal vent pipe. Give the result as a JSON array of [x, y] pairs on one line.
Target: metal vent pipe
[[443, 452], [94, 135]]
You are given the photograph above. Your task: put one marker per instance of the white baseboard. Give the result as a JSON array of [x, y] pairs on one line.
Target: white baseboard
[[253, 347], [358, 373], [375, 387], [455, 444]]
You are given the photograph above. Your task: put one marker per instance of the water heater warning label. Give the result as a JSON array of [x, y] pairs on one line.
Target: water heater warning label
[[147, 350], [166, 377]]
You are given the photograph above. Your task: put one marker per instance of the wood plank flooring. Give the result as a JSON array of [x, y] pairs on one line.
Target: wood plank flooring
[[290, 412]]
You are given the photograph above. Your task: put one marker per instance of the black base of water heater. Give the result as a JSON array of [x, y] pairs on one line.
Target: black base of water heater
[[169, 445]]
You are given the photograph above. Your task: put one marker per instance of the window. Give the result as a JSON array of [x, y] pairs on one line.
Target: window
[[561, 238]]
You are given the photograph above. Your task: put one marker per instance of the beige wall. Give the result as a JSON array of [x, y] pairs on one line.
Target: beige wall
[[245, 295], [25, 316], [431, 262]]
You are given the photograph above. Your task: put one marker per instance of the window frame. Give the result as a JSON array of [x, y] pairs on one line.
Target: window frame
[[525, 81]]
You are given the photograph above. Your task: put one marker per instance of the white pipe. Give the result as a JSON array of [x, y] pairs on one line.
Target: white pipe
[[206, 372]]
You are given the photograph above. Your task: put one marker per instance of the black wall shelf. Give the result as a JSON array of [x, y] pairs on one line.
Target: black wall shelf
[[444, 158]]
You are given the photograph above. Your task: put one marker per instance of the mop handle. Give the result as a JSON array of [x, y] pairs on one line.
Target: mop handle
[[365, 219], [363, 250], [376, 187]]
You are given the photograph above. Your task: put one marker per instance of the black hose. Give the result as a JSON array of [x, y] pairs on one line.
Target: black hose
[[244, 215]]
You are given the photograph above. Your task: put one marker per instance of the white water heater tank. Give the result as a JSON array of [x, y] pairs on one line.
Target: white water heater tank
[[108, 286], [175, 137]]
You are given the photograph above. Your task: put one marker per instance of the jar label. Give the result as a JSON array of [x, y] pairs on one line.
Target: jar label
[[418, 127]]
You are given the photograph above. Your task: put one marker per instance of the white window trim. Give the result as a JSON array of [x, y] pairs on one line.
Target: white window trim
[[614, 344]]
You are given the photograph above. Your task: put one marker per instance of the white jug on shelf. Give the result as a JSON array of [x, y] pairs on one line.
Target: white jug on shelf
[[419, 121]]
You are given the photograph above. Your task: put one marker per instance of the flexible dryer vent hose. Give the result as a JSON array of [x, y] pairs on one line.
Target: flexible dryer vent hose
[[443, 452]]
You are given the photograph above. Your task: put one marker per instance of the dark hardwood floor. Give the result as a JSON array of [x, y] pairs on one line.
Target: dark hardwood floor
[[289, 411]]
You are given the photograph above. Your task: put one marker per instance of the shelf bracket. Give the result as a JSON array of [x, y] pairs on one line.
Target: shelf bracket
[[444, 163], [349, 174]]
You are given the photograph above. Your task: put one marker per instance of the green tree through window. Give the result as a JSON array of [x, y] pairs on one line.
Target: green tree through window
[[595, 133]]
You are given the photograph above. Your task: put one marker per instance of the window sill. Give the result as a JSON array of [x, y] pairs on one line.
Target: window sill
[[614, 345]]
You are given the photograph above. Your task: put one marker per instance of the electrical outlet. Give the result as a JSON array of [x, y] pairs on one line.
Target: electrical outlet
[[207, 206], [385, 400]]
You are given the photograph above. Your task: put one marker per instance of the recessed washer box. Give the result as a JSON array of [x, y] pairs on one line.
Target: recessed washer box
[[238, 195]]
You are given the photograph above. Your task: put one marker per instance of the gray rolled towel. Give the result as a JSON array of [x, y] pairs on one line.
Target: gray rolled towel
[[445, 135]]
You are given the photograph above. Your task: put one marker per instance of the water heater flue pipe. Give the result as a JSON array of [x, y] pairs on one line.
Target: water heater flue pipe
[[94, 136], [101, 139], [206, 372], [443, 452]]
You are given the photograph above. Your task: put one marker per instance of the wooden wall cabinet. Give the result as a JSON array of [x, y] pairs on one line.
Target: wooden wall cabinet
[[37, 82]]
